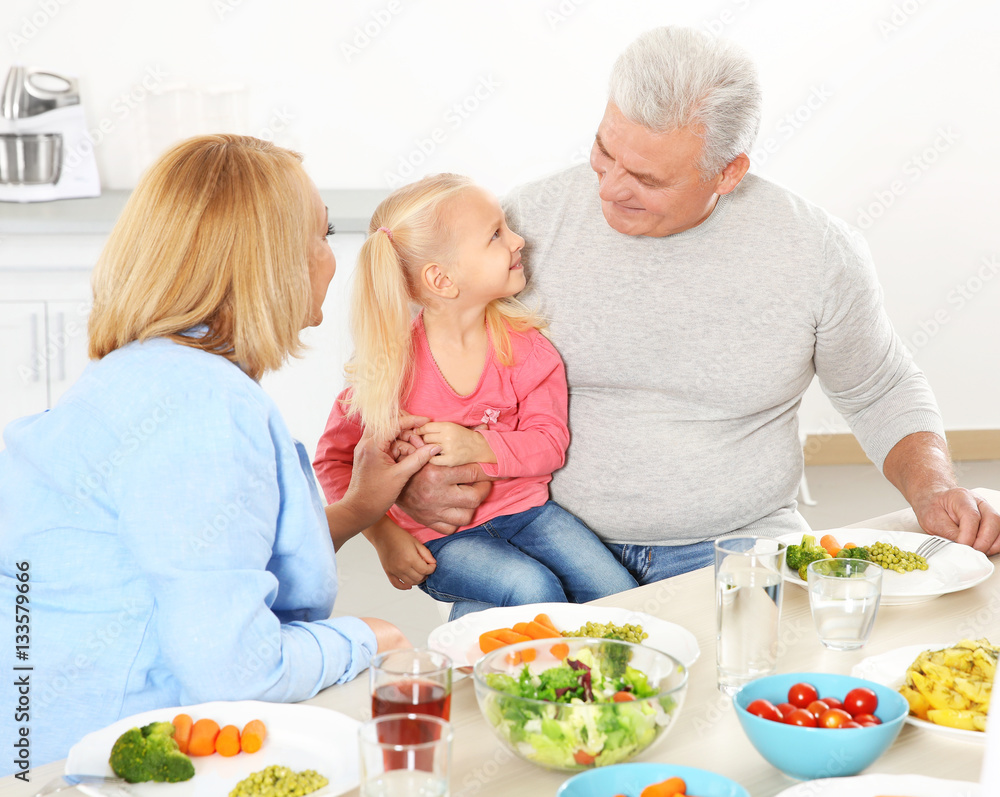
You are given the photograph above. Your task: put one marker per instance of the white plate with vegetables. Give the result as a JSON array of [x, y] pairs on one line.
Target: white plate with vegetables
[[459, 639], [953, 568], [299, 737], [875, 785], [889, 669]]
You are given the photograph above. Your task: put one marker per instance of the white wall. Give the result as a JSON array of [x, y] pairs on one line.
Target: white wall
[[882, 106]]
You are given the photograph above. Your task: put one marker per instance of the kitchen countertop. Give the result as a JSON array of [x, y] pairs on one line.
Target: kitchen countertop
[[350, 211]]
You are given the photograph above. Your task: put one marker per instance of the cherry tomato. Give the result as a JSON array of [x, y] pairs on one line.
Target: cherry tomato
[[860, 701], [853, 724], [583, 758], [802, 694], [867, 719], [834, 718], [817, 707], [765, 709], [833, 702], [801, 717], [785, 709]]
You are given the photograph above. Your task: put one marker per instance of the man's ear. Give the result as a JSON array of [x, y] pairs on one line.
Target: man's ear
[[437, 282], [732, 174]]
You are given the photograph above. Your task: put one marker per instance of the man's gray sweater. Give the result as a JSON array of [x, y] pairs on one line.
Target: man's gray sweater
[[687, 356]]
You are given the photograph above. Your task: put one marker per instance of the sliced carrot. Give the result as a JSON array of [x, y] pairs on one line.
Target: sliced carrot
[[849, 545], [488, 643], [182, 731], [667, 788], [227, 743], [543, 619], [203, 735], [829, 542], [539, 631], [623, 697], [528, 654], [253, 736], [519, 627], [512, 658], [560, 650], [510, 636]]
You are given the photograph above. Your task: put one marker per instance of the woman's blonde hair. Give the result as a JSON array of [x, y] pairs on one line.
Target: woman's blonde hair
[[216, 234], [385, 287]]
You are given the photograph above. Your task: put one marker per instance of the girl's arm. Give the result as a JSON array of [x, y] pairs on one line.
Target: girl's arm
[[406, 561], [537, 447]]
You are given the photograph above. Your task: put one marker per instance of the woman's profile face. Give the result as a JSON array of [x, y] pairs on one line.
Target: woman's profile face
[[322, 263]]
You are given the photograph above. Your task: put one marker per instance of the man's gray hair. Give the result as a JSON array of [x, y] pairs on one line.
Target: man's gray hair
[[675, 77]]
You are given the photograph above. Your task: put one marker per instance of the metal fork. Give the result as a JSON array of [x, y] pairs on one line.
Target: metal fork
[[930, 547], [113, 787]]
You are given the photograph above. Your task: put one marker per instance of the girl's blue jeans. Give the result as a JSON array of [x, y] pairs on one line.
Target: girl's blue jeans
[[541, 555]]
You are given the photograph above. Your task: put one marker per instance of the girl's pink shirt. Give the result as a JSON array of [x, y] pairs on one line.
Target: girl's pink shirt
[[524, 409]]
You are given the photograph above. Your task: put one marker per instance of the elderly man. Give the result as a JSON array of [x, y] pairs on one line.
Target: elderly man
[[692, 303]]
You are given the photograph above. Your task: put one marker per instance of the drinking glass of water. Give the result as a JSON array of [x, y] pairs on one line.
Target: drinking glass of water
[[844, 595], [405, 755], [411, 681], [748, 593]]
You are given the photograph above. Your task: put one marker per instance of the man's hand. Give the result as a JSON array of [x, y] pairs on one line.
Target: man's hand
[[444, 499], [387, 636], [961, 516], [920, 467], [459, 445], [406, 562]]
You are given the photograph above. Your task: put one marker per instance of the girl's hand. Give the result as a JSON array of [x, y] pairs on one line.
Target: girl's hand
[[377, 477], [387, 635], [406, 562], [459, 446]]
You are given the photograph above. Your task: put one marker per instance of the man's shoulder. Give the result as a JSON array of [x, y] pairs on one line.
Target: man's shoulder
[[782, 205], [551, 193]]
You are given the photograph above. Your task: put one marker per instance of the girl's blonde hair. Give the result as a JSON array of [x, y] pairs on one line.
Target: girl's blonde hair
[[215, 234], [385, 287]]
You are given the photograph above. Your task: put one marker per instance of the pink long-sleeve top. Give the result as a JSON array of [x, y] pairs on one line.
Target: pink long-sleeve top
[[524, 409]]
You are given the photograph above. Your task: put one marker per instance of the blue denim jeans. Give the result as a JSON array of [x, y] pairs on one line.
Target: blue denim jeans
[[541, 555], [649, 563]]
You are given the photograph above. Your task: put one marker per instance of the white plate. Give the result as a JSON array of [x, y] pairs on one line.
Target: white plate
[[890, 668], [873, 785], [299, 737], [953, 568], [459, 639]]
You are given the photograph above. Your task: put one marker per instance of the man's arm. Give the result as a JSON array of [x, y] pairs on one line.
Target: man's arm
[[920, 468]]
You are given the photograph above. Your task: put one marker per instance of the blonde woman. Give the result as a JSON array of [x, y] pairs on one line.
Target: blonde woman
[[167, 525], [475, 362]]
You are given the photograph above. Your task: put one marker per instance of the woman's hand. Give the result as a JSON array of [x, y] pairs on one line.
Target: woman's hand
[[406, 561], [387, 635], [459, 445]]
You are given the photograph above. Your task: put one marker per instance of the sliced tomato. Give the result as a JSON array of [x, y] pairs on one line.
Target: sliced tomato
[[583, 758]]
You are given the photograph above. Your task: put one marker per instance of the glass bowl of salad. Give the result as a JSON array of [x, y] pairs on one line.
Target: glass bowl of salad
[[577, 703]]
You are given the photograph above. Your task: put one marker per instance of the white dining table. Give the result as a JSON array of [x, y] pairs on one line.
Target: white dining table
[[706, 733]]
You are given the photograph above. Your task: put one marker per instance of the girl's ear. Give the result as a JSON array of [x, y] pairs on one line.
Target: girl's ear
[[437, 283]]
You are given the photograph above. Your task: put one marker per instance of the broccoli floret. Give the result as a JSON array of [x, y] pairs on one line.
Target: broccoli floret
[[150, 754], [793, 556], [854, 553]]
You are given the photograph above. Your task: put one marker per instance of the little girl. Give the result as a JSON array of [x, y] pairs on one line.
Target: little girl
[[475, 363]]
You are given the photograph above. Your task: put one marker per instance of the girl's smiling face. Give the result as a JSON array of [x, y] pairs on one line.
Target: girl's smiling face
[[486, 256]]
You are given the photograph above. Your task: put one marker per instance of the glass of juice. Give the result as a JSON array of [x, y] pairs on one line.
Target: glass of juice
[[411, 681], [391, 767]]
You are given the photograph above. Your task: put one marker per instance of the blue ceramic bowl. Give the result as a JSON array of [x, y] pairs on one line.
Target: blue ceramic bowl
[[631, 779], [809, 753]]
